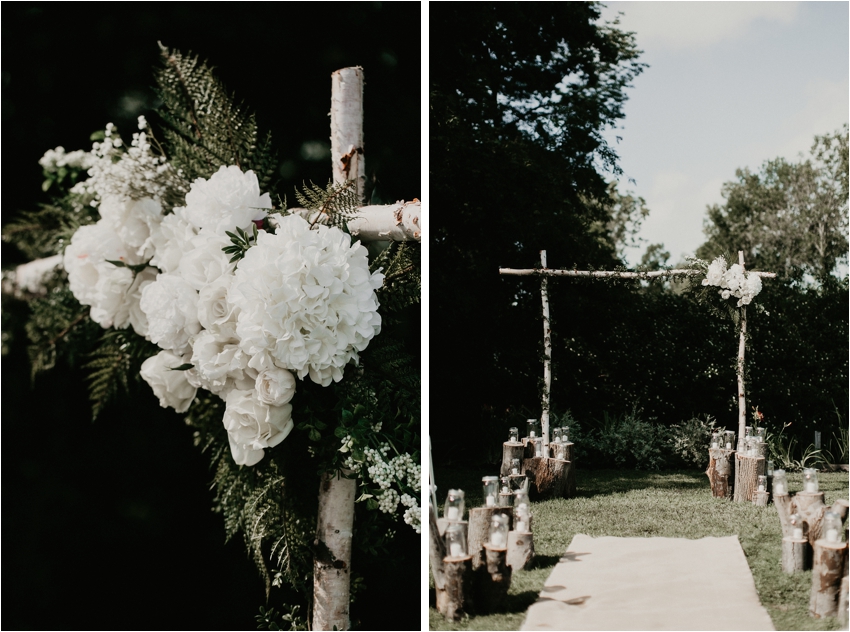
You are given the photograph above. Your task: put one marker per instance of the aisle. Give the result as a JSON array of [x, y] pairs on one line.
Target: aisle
[[649, 584]]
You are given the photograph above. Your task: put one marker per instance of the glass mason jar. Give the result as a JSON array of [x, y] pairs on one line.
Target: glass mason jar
[[491, 490], [499, 531], [538, 447], [565, 434], [715, 439], [514, 435], [748, 431], [760, 434], [832, 526], [456, 540], [533, 428], [796, 526], [520, 500], [522, 517], [729, 439], [762, 484], [810, 480], [769, 468], [515, 466], [780, 483], [454, 505], [556, 435]]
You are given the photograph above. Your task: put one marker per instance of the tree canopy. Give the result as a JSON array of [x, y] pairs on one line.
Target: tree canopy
[[789, 217]]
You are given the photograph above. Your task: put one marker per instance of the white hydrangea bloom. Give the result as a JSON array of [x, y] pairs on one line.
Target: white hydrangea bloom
[[253, 426], [221, 365], [307, 298], [172, 388], [229, 199], [733, 278], [171, 306], [205, 262]]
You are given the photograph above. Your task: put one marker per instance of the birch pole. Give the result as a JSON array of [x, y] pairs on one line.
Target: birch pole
[[332, 563], [547, 353], [742, 400]]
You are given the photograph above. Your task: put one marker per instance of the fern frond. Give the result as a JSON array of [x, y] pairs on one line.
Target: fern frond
[[334, 205], [206, 127], [49, 229]]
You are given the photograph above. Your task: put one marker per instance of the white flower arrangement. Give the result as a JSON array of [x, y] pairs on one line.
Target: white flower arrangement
[[301, 302], [734, 281]]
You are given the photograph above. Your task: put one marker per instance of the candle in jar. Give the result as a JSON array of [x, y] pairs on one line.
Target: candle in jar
[[521, 527], [531, 434], [811, 487], [778, 488], [497, 539], [832, 535], [452, 515], [456, 549], [514, 470], [491, 500], [761, 488], [798, 534], [728, 445]]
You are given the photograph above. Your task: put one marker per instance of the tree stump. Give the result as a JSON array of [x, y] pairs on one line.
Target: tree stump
[[511, 451], [548, 478], [827, 570], [843, 592], [492, 580], [784, 509], [747, 472], [760, 498], [518, 481], [721, 472], [457, 601], [530, 450], [796, 555], [479, 531], [520, 549], [811, 509], [562, 451]]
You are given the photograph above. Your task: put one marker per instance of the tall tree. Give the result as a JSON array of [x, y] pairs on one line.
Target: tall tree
[[520, 95], [791, 218]]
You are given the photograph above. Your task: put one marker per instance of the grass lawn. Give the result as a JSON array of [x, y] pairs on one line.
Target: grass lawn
[[649, 504]]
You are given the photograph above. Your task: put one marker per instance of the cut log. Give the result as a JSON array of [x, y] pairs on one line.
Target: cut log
[[492, 580], [796, 555], [518, 481], [721, 472], [811, 509], [784, 509], [479, 531], [843, 592], [747, 472], [561, 451], [827, 570], [458, 588], [760, 499], [520, 549], [436, 553], [548, 478], [511, 451], [506, 499]]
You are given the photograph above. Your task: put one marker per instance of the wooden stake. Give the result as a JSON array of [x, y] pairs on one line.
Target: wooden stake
[[547, 353], [747, 472], [827, 570], [796, 555]]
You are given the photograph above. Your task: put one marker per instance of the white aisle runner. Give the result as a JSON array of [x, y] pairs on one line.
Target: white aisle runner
[[649, 584]]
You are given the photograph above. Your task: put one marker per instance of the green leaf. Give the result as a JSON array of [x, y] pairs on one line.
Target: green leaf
[[315, 435], [182, 367], [340, 432], [119, 264]]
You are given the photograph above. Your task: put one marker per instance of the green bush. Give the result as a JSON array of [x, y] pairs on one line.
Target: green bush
[[688, 441]]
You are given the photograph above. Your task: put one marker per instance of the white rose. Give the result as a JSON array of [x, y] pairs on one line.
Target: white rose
[[733, 278], [171, 387], [221, 365], [171, 306], [253, 426], [133, 221], [136, 316], [714, 275], [275, 387], [229, 199], [171, 239], [215, 312], [205, 262]]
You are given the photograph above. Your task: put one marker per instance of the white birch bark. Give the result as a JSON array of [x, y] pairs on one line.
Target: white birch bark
[[742, 400], [613, 273], [401, 221], [28, 278], [547, 352], [347, 156], [332, 564]]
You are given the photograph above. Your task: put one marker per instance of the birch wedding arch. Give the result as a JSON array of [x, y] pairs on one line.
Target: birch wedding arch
[[274, 330]]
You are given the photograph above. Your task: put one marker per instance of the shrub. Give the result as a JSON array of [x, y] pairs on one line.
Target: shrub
[[689, 441]]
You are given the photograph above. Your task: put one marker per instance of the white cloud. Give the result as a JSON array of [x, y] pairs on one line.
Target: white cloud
[[681, 25]]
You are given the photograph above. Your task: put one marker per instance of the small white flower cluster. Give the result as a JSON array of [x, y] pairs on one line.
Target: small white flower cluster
[[400, 470], [134, 173], [54, 159], [733, 281]]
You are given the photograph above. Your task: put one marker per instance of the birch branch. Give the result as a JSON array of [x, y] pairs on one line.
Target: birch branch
[[742, 343], [401, 221], [613, 274], [547, 357], [347, 159]]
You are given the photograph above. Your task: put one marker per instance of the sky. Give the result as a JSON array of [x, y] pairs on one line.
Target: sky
[[729, 85]]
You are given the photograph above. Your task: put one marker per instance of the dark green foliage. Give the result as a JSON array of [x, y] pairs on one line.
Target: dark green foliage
[[241, 242], [116, 361], [333, 205], [206, 128], [48, 230], [268, 620]]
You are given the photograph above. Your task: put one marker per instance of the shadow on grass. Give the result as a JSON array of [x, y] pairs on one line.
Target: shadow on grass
[[590, 483], [544, 561], [520, 602]]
